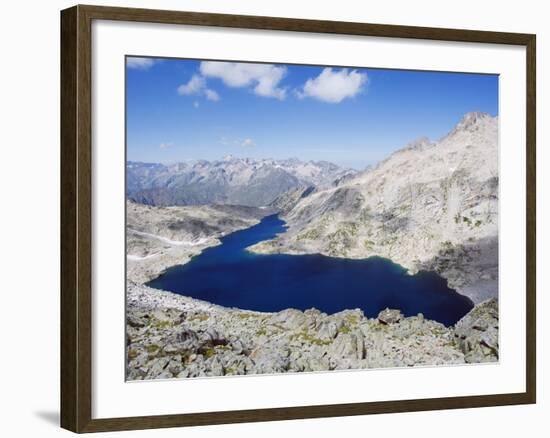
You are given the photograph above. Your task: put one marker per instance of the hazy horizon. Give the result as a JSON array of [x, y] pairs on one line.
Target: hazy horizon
[[194, 160]]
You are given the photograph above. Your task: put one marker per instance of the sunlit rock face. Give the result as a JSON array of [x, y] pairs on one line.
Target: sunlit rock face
[[429, 206]]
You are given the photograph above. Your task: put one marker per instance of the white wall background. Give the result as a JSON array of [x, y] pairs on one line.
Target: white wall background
[[29, 198]]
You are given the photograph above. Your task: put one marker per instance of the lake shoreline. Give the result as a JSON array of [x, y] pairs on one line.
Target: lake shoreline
[[304, 281]]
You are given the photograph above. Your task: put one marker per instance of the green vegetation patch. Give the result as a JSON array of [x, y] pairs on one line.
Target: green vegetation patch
[[313, 234], [353, 319], [229, 371], [152, 348], [305, 336], [369, 244], [246, 315], [468, 221], [199, 317], [344, 329], [162, 324]]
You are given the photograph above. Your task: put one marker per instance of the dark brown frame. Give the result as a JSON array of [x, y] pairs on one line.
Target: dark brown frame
[[76, 221]]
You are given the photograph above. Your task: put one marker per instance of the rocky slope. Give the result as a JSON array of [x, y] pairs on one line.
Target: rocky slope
[[160, 237], [237, 181], [172, 336], [431, 206]]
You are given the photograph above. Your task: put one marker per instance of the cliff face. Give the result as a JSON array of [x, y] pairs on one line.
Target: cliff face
[[429, 206], [172, 336]]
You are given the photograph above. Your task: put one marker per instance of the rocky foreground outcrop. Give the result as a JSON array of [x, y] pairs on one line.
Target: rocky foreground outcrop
[[171, 336]]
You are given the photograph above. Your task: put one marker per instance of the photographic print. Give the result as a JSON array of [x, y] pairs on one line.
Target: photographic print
[[298, 218]]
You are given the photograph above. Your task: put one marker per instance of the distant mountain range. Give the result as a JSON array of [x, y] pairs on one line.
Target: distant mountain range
[[237, 181]]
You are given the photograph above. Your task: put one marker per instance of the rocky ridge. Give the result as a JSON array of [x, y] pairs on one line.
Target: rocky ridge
[[429, 206], [236, 181]]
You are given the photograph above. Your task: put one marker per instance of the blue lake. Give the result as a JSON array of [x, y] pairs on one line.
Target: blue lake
[[230, 276]]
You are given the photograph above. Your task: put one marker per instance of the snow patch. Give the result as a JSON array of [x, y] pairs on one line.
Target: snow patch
[[170, 241]]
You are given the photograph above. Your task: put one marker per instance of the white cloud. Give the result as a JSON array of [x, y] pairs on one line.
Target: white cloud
[[140, 63], [233, 142], [166, 145], [211, 95], [334, 86], [264, 78], [197, 86]]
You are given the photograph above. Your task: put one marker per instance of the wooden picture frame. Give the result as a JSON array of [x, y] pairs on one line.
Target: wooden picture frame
[[76, 217]]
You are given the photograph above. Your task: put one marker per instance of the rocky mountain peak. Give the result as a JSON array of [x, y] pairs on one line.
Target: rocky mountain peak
[[471, 119], [419, 144], [477, 124]]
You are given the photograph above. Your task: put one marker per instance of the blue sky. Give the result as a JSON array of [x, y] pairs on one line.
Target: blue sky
[[180, 110]]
